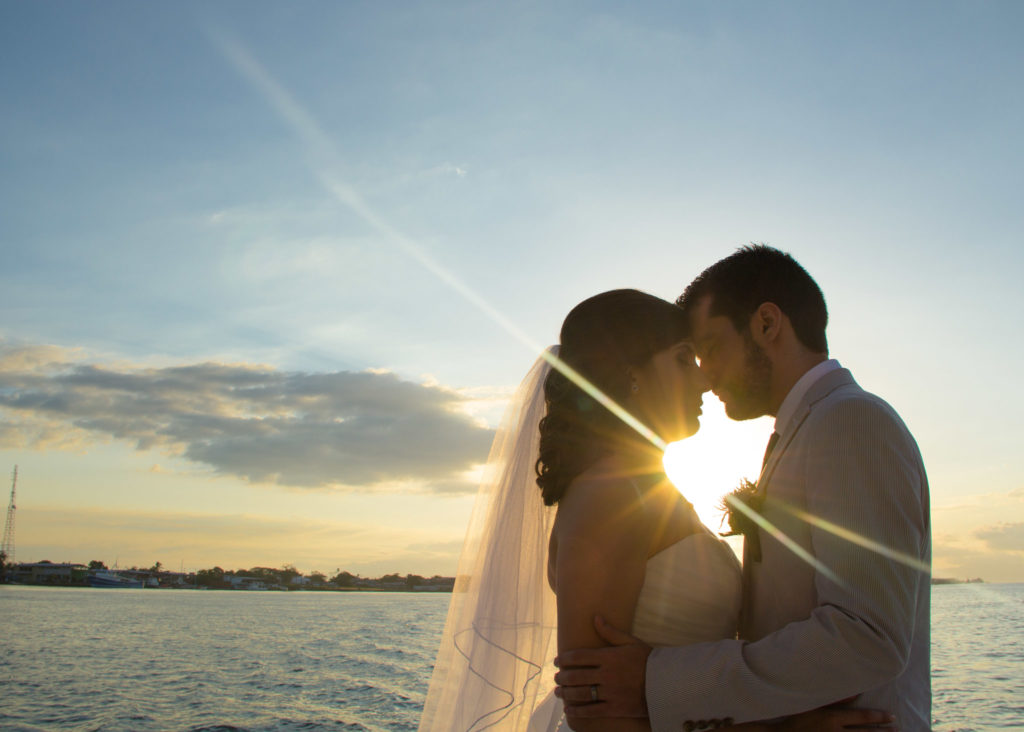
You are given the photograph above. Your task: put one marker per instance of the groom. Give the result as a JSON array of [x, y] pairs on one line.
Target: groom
[[843, 485]]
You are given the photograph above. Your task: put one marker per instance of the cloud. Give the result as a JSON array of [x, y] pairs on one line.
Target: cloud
[[341, 429], [442, 170], [1004, 536], [980, 536], [959, 559]]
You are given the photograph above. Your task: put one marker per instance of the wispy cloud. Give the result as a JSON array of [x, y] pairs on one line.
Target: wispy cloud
[[343, 429], [446, 169], [1003, 536], [973, 539], [323, 158]]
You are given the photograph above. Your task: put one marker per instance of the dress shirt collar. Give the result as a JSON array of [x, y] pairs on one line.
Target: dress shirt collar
[[788, 407]]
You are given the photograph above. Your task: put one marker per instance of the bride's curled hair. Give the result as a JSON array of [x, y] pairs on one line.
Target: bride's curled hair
[[602, 338]]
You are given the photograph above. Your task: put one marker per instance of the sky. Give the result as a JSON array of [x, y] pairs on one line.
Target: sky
[[270, 271]]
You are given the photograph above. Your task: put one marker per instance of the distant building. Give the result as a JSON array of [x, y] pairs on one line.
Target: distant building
[[48, 573]]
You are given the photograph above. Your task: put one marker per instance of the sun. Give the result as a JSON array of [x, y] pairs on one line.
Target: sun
[[711, 463]]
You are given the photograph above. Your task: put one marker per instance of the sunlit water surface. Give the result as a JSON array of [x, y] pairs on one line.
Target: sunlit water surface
[[85, 659]]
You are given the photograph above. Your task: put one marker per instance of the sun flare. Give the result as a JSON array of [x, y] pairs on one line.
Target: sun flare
[[711, 463]]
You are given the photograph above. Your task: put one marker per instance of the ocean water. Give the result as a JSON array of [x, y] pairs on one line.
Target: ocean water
[[90, 659], [978, 657], [102, 659]]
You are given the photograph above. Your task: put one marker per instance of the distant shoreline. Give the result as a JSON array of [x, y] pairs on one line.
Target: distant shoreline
[[200, 588], [257, 579]]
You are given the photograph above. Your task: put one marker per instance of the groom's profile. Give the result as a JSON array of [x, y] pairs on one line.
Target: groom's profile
[[836, 594]]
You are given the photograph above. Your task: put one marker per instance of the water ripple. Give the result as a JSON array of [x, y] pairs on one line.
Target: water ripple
[[146, 660], [216, 661]]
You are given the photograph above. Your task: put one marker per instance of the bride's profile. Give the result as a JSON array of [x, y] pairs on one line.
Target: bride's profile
[[575, 518]]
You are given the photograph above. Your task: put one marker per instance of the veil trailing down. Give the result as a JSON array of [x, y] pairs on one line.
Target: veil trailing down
[[494, 666]]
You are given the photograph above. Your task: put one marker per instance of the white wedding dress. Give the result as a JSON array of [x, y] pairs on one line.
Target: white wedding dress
[[494, 667], [691, 594]]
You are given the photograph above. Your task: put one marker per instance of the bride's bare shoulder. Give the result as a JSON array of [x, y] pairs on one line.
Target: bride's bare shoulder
[[602, 497]]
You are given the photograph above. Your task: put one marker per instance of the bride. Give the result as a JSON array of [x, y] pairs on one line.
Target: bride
[[606, 533]]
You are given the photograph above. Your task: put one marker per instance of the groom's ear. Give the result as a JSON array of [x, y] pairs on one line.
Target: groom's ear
[[766, 323]]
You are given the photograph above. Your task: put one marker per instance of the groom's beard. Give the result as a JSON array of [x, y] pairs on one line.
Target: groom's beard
[[750, 395]]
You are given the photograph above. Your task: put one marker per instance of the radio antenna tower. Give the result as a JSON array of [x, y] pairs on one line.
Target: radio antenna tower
[[8, 546]]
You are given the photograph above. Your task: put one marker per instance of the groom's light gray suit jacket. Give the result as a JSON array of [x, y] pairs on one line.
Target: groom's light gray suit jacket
[[809, 638]]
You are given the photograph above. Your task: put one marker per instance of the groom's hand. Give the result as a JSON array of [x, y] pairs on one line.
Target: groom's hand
[[604, 682]]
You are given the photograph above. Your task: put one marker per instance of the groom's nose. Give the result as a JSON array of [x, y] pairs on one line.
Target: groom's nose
[[703, 384]]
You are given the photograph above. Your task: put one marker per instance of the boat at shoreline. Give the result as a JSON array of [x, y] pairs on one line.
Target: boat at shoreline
[[106, 578]]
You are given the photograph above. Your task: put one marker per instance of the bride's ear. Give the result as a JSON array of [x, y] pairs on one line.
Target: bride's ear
[[634, 383]]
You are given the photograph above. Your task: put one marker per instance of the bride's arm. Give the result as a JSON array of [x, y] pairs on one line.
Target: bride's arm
[[602, 538]]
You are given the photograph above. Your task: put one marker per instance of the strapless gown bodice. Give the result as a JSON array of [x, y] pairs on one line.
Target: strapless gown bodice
[[691, 594]]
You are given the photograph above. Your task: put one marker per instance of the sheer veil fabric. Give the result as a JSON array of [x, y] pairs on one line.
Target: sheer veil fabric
[[494, 666]]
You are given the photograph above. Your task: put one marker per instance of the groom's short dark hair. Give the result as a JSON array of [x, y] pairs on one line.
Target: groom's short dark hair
[[757, 274]]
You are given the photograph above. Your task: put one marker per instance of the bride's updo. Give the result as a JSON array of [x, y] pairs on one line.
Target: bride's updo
[[601, 338]]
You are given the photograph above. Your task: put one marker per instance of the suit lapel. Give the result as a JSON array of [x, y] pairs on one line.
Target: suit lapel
[[818, 391], [752, 544]]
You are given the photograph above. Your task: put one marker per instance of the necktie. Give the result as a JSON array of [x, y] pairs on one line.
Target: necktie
[[772, 441], [752, 543]]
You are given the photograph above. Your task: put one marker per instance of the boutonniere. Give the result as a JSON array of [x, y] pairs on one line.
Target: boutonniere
[[739, 522]]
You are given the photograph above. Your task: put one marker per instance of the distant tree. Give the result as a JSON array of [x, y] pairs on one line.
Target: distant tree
[[3, 565], [287, 573], [392, 578], [439, 581], [155, 569], [411, 580], [211, 577], [96, 564], [343, 579], [267, 574], [317, 578]]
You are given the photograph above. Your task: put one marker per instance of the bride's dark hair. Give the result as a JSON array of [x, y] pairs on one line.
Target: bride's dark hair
[[601, 338]]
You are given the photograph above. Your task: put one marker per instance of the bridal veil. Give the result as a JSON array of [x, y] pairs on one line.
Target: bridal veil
[[494, 666]]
